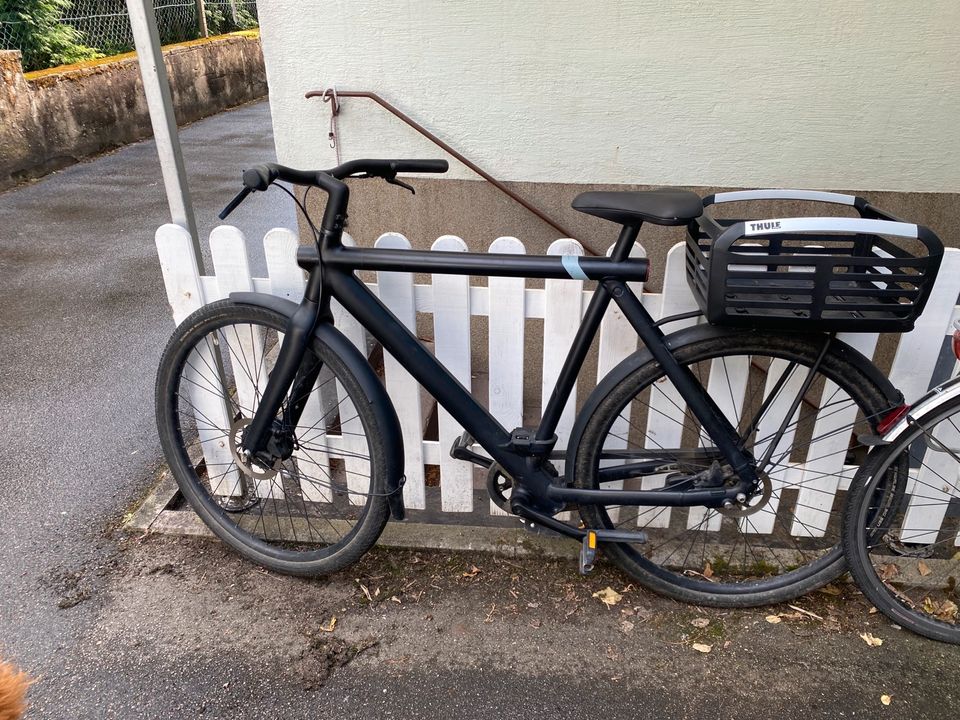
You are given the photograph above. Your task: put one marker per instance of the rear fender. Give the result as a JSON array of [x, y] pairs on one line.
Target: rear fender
[[941, 395], [380, 404]]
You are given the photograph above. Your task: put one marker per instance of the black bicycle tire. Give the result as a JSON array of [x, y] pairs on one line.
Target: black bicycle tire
[[327, 560], [857, 553], [870, 396]]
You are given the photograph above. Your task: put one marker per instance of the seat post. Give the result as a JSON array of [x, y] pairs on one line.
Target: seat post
[[628, 236]]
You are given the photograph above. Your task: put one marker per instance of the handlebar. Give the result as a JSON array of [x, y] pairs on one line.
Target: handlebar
[[260, 177]]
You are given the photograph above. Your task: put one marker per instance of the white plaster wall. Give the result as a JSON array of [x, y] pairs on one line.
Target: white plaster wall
[[832, 93]]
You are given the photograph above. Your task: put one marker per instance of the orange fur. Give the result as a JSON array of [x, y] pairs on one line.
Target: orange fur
[[13, 691]]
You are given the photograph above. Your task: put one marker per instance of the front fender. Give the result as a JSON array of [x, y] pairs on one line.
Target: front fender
[[380, 404]]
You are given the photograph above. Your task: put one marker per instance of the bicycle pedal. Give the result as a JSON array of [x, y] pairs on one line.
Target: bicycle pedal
[[460, 450], [588, 552]]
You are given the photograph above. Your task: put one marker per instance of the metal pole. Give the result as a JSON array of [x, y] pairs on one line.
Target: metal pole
[[233, 12], [156, 86], [202, 18]]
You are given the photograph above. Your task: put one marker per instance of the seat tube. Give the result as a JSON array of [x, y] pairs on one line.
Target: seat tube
[[582, 341], [718, 427]]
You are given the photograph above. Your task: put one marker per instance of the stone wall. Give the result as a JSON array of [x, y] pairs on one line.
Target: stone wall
[[53, 118]]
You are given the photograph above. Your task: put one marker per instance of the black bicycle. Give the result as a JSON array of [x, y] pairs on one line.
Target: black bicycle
[[901, 528], [282, 437]]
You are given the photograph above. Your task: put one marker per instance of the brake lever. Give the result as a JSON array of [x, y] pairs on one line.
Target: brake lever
[[232, 205], [392, 179]]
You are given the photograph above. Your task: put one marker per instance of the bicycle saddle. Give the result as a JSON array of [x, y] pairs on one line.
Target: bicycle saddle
[[664, 206]]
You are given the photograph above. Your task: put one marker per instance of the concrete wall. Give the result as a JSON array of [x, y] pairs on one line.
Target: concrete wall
[[55, 117], [826, 93]]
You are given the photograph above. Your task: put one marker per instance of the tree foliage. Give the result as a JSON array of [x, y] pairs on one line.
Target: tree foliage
[[42, 38]]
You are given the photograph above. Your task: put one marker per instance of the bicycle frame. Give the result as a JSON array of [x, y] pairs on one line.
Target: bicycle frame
[[535, 494]]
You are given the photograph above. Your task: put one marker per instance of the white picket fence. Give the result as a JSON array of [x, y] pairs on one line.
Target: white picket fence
[[508, 303]]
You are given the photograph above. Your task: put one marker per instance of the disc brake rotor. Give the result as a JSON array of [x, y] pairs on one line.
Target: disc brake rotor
[[255, 471], [751, 505]]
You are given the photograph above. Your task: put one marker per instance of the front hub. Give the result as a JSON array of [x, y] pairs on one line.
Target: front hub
[[267, 463]]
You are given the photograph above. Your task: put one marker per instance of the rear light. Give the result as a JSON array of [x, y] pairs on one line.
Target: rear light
[[956, 339], [892, 418]]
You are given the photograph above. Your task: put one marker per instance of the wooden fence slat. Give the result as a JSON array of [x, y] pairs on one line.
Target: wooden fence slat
[[562, 315], [396, 291], [935, 485], [618, 340], [727, 385], [919, 350], [665, 414], [778, 469], [228, 248], [451, 327], [182, 280], [825, 457], [505, 344], [937, 481], [287, 280], [354, 439]]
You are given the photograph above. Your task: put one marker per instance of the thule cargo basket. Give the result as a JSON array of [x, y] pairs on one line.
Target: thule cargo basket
[[871, 273]]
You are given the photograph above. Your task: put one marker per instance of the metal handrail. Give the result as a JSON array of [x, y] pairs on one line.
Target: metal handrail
[[564, 232]]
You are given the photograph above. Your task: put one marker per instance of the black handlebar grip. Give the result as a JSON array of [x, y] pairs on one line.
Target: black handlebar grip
[[421, 166]]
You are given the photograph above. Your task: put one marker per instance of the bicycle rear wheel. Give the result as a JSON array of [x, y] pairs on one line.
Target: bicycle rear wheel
[[783, 542], [902, 540], [322, 504]]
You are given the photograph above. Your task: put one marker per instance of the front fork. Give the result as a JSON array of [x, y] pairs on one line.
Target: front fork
[[294, 371]]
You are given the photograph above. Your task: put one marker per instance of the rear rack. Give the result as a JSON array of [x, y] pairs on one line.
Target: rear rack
[[871, 273]]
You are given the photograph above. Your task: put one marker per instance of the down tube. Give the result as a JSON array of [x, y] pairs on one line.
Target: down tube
[[421, 364]]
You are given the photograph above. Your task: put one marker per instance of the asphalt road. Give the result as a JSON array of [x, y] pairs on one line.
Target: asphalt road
[[83, 317], [117, 626]]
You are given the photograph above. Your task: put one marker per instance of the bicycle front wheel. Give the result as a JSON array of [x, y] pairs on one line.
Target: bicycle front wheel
[[800, 420], [321, 505], [902, 540]]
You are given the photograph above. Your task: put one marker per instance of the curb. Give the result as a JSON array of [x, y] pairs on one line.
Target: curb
[[163, 512]]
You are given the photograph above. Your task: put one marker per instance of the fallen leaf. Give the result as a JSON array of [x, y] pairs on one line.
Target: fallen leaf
[[396, 599], [871, 640], [956, 555], [700, 622], [772, 619], [535, 623], [702, 648], [928, 606], [830, 589], [888, 571], [366, 592], [708, 571], [923, 568], [608, 596], [472, 572], [330, 625], [873, 611], [947, 611], [626, 626], [885, 699]]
